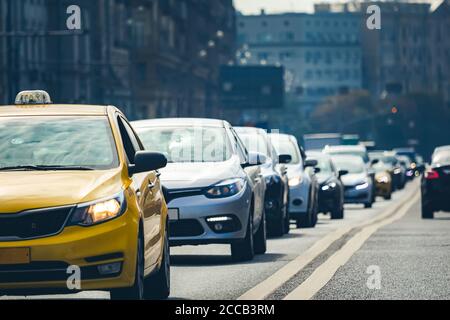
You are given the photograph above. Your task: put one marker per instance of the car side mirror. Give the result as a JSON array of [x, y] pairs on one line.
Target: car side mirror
[[374, 162], [147, 161], [255, 159], [317, 170], [342, 173], [284, 158], [311, 163]]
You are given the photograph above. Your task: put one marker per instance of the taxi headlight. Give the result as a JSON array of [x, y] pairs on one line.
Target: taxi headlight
[[293, 182], [226, 188], [92, 213]]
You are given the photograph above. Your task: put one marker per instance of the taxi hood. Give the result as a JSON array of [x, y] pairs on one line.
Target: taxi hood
[[24, 190]]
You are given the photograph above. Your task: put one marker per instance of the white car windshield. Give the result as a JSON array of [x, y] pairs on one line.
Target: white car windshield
[[353, 165], [185, 144]]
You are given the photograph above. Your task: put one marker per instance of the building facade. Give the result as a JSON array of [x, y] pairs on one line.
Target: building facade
[[321, 52], [151, 58]]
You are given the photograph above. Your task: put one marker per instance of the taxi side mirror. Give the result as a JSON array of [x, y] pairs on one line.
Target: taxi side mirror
[[147, 161]]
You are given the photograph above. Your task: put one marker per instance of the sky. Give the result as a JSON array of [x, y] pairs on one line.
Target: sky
[[276, 6]]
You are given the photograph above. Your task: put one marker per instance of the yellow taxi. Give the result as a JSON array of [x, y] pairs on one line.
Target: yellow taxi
[[81, 202]]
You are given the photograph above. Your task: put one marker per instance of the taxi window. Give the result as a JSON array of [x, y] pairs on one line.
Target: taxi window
[[130, 143], [57, 141]]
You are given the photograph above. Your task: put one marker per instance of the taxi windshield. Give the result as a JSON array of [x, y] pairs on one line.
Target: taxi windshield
[[57, 142]]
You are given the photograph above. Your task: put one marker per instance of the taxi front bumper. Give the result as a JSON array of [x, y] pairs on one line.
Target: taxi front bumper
[[85, 248]]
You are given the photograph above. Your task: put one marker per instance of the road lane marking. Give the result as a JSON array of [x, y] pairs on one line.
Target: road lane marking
[[264, 289], [325, 272]]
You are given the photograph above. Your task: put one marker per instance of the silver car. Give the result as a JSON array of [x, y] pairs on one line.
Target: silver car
[[303, 184], [357, 182], [213, 187]]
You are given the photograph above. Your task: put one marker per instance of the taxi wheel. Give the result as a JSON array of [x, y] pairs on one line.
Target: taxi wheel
[[260, 239], [157, 286], [136, 292], [243, 250]]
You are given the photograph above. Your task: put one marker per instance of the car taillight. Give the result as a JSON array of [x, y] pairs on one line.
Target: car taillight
[[431, 175]]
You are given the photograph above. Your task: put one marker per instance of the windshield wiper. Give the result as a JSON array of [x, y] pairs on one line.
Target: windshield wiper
[[44, 168]]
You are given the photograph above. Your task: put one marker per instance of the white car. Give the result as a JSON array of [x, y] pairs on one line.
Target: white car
[[213, 187], [303, 184]]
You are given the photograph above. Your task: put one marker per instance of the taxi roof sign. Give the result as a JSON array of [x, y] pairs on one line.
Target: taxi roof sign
[[33, 97]]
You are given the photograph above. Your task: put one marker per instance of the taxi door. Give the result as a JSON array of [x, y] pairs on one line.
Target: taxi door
[[149, 196]]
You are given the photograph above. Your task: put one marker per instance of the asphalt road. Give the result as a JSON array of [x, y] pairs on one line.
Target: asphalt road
[[413, 259], [411, 255]]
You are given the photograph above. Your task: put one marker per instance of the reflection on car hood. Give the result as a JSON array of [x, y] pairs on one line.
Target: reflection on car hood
[[323, 178], [24, 190], [200, 174], [352, 179]]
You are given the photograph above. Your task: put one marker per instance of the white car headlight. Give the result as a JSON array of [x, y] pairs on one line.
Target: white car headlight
[[91, 213], [226, 188], [329, 186], [293, 182], [362, 186]]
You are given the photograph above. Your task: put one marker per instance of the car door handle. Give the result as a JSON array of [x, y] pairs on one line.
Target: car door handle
[[151, 185], [158, 174]]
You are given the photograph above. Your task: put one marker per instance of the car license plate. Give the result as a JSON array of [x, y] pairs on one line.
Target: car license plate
[[173, 214], [14, 256]]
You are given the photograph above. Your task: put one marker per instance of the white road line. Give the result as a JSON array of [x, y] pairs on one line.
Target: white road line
[[268, 286], [323, 274]]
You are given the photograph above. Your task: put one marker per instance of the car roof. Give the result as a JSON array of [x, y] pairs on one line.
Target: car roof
[[442, 148], [52, 110], [317, 154], [249, 130], [284, 136], [347, 157], [346, 148], [163, 122]]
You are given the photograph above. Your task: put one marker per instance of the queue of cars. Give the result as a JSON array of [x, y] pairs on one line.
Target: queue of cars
[[86, 190]]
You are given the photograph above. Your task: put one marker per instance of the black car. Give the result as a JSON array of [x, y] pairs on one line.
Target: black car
[[275, 175], [436, 184], [331, 191], [417, 166]]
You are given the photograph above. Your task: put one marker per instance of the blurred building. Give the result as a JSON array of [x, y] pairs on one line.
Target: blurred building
[[179, 47], [321, 52], [148, 57], [410, 53], [397, 57], [23, 52], [440, 48]]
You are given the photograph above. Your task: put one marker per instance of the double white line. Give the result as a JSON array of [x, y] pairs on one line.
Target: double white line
[[324, 273]]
